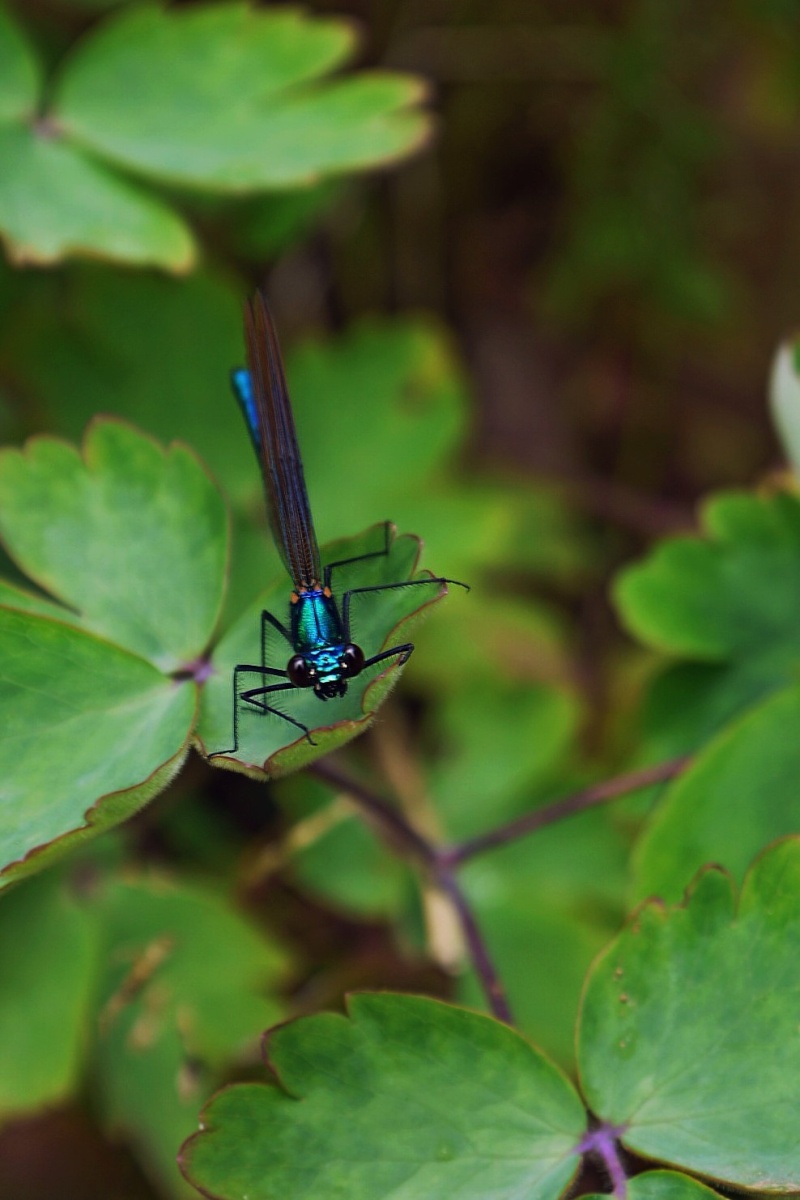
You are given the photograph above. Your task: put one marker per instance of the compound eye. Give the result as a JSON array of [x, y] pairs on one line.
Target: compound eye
[[300, 672], [352, 661]]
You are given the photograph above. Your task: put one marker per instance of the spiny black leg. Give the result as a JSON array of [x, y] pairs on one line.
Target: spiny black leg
[[344, 562], [385, 587]]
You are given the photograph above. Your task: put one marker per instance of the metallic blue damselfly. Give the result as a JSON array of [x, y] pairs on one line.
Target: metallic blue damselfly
[[324, 656]]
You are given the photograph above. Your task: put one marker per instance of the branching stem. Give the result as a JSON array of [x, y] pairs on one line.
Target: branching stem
[[570, 806], [442, 863]]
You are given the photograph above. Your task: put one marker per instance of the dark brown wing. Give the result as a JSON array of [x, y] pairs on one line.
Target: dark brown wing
[[281, 465]]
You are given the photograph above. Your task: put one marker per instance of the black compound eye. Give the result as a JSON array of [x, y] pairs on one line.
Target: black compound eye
[[300, 672], [352, 661]]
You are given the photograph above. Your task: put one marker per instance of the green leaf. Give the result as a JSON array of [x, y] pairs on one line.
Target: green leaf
[[160, 350], [12, 596], [725, 598], [56, 202], [400, 387], [130, 536], [497, 640], [45, 936], [19, 73], [784, 401], [168, 1024], [738, 795], [266, 225], [406, 1097], [378, 621], [688, 1029], [89, 733], [489, 762], [147, 347], [663, 1185], [232, 99], [687, 703], [473, 523], [705, 597], [335, 854]]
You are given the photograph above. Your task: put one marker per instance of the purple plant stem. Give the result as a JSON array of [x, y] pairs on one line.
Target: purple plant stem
[[599, 793], [399, 833], [478, 950], [403, 837], [602, 1141], [199, 670]]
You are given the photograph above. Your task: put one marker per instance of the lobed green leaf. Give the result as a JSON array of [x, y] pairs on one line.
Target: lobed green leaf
[[726, 602], [131, 538], [688, 1028], [88, 732], [405, 1098], [233, 98], [705, 597], [55, 202]]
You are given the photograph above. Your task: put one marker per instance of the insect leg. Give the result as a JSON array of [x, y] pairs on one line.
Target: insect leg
[[344, 562], [405, 651]]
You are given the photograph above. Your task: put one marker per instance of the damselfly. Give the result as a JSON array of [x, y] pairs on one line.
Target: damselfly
[[324, 655]]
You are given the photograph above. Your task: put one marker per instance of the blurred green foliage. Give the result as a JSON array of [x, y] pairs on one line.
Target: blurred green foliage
[[533, 346]]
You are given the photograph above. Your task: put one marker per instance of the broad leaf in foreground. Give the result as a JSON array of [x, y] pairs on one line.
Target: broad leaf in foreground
[[405, 1098], [81, 721], [132, 540], [738, 795], [379, 621], [688, 1031], [168, 1023]]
